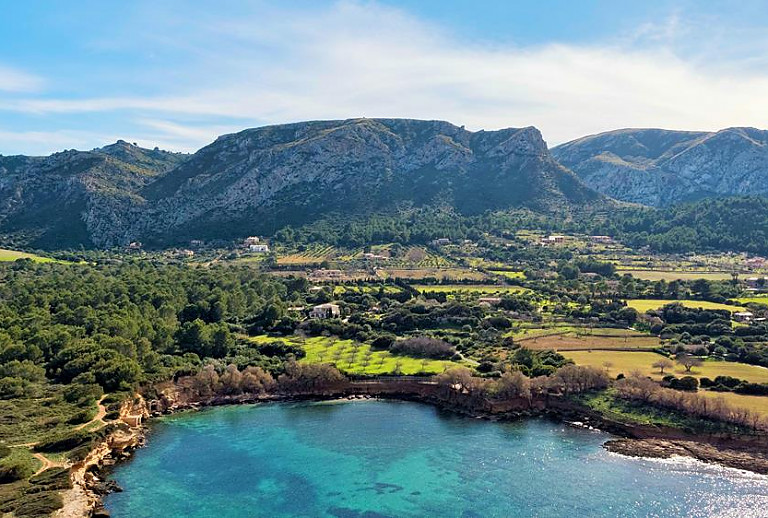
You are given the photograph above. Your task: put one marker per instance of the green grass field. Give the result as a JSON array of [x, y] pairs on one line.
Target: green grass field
[[357, 358], [643, 305], [627, 362], [467, 288], [657, 275], [753, 300], [12, 255]]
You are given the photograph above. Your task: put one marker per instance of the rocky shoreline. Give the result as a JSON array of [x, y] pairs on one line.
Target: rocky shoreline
[[754, 461], [91, 484]]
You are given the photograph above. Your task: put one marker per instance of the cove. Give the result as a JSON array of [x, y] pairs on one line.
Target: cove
[[374, 459]]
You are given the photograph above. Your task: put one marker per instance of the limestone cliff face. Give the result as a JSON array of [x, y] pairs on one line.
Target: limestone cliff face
[[659, 167], [73, 198], [264, 178], [259, 180]]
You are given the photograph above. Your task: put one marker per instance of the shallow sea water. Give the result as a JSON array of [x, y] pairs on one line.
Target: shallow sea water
[[372, 459]]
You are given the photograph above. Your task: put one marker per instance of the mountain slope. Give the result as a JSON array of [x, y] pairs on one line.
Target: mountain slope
[[262, 179], [67, 199], [660, 167]]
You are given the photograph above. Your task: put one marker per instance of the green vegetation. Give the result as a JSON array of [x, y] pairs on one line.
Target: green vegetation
[[668, 275], [467, 288], [643, 305], [13, 255], [616, 362], [359, 358], [630, 412]]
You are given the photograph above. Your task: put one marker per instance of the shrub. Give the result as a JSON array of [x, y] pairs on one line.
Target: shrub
[[64, 442], [281, 349], [383, 342], [38, 504], [685, 383], [423, 347], [14, 471]]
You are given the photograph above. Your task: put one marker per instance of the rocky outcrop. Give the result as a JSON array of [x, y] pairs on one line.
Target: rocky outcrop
[[753, 459], [76, 198], [660, 167]]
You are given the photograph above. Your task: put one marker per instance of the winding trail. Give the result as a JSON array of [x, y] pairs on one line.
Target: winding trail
[[47, 463], [102, 412]]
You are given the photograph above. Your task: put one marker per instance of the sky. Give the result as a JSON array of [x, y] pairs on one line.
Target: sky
[[176, 74]]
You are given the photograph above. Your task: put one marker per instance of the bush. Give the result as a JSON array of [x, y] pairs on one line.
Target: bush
[[14, 471], [38, 504], [82, 417], [82, 393], [383, 342], [52, 479], [753, 389], [281, 349], [423, 347], [64, 442], [685, 383], [5, 450]]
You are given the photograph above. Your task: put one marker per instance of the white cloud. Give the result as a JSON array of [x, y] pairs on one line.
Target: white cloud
[[366, 60], [12, 80]]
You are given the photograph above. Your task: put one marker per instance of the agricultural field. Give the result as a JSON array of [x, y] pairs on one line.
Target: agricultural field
[[467, 288], [509, 274], [388, 288], [626, 362], [12, 255], [753, 300], [423, 258], [357, 358], [313, 256], [643, 305], [575, 342], [451, 274], [667, 275]]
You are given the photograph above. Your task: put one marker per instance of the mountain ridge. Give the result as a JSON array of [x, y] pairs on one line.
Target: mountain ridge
[[261, 179], [663, 167]]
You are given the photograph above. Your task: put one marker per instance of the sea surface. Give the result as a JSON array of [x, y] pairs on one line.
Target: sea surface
[[372, 459]]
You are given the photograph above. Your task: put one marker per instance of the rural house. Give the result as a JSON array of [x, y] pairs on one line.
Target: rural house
[[325, 311]]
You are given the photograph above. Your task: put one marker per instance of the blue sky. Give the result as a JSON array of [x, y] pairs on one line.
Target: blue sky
[[176, 74]]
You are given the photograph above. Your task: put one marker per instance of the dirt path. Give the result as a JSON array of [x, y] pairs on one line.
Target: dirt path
[[47, 463], [98, 417]]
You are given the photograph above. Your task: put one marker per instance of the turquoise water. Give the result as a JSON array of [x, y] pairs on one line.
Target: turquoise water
[[372, 459]]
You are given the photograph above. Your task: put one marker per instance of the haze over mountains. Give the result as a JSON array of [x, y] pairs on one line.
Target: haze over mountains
[[259, 180]]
